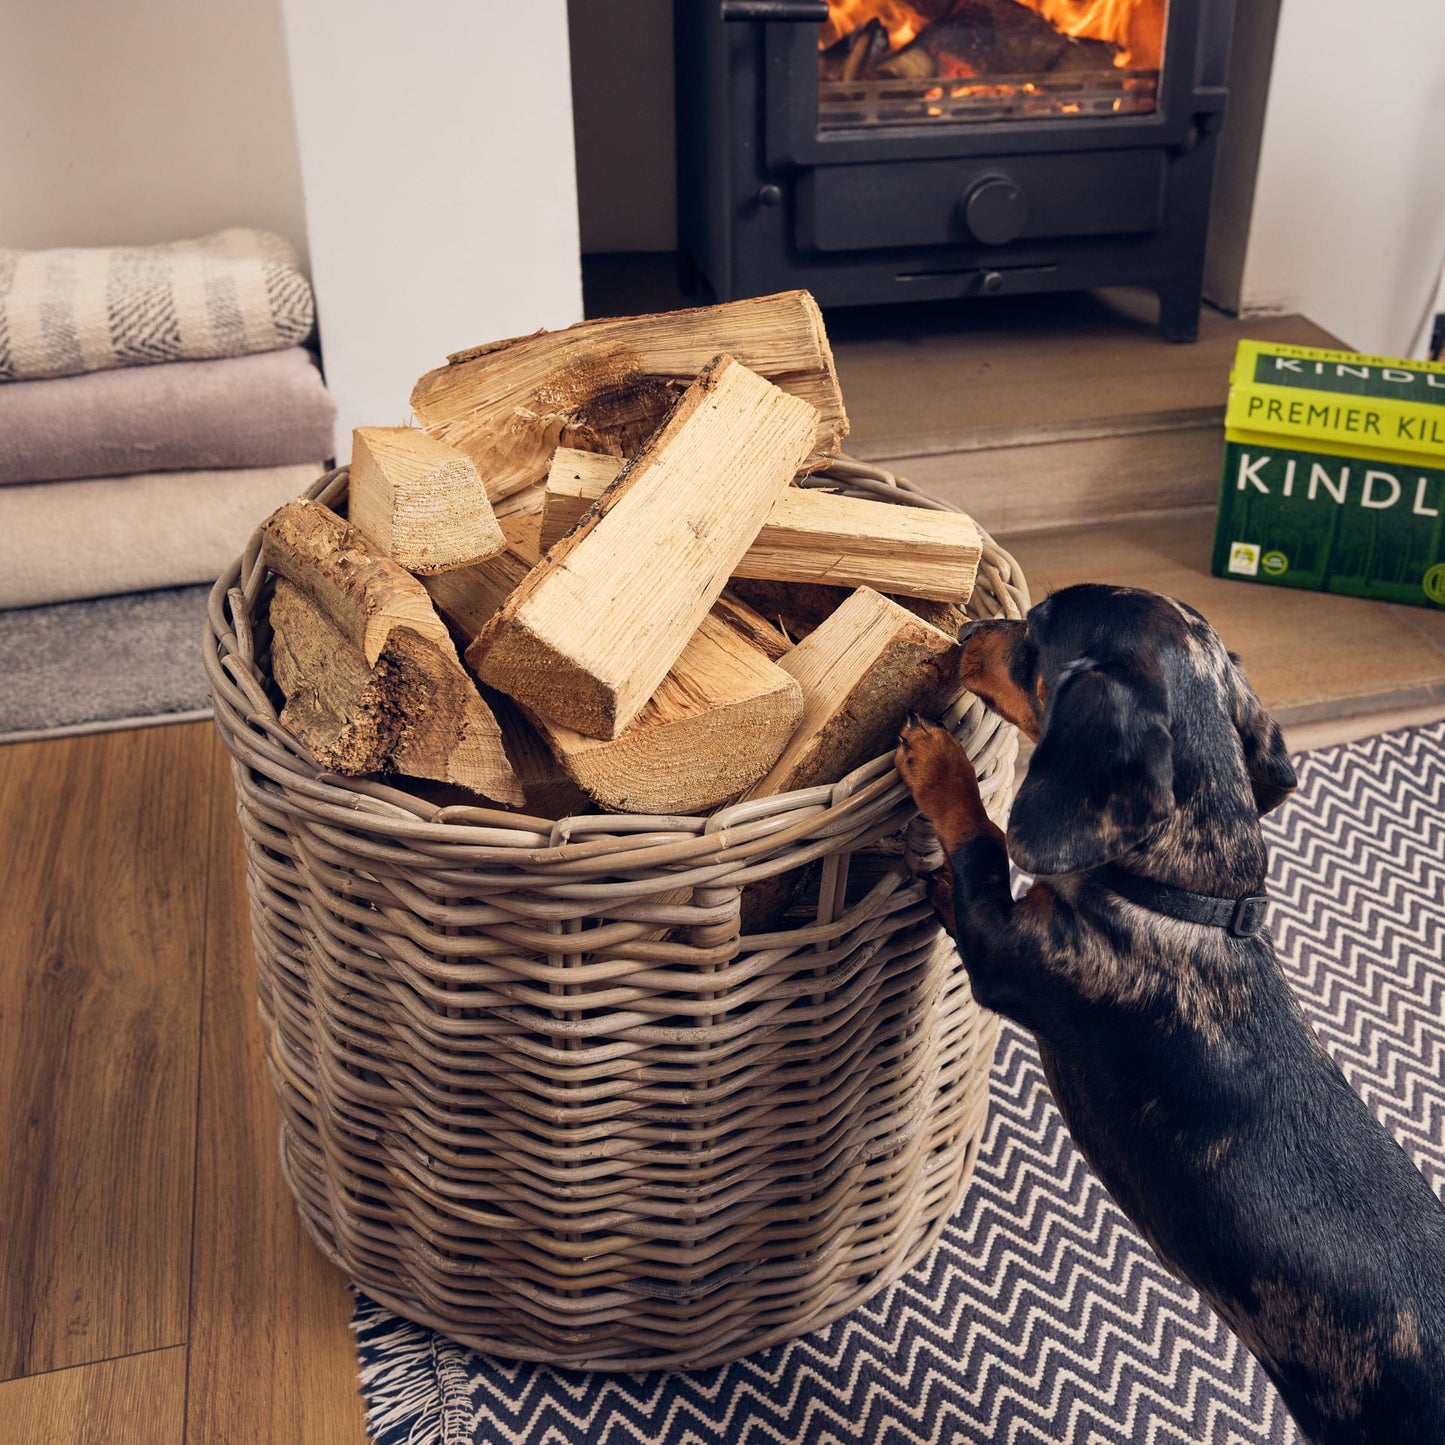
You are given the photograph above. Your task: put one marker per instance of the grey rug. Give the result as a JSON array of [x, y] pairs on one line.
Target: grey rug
[[1042, 1318], [111, 662]]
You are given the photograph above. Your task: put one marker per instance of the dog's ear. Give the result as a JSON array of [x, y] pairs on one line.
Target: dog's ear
[[1266, 762], [1102, 777]]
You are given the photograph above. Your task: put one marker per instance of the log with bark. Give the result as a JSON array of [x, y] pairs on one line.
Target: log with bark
[[369, 671], [607, 385]]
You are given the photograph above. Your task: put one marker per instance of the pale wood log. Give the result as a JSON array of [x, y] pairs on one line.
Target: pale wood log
[[717, 723], [606, 385], [413, 711], [420, 501], [861, 670], [597, 624], [549, 791], [811, 535], [364, 592]]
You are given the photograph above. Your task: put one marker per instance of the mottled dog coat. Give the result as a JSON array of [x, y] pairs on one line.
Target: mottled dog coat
[[1175, 1050]]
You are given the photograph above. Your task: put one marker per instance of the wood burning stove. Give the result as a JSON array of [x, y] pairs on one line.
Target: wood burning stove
[[889, 150]]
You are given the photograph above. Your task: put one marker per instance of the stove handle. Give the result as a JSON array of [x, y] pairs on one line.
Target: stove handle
[[815, 11]]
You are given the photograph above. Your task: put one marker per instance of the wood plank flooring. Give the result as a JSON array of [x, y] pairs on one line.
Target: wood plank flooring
[[157, 1287]]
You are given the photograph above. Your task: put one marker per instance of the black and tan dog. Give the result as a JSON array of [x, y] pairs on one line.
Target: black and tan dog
[[1174, 1048]]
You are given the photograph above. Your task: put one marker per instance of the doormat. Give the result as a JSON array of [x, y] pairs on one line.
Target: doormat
[[105, 663], [1041, 1316]]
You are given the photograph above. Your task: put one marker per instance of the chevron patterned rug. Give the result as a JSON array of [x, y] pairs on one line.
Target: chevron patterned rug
[[1041, 1316]]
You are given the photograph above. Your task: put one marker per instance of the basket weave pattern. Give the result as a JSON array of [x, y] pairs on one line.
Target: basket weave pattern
[[537, 1090]]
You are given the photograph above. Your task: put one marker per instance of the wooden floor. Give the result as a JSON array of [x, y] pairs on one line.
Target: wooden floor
[[157, 1287]]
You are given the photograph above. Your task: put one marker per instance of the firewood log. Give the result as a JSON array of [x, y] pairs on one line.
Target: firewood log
[[596, 625], [370, 673], [420, 501], [811, 535], [606, 385], [861, 669]]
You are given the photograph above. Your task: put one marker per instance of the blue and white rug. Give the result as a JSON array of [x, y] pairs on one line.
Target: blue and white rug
[[1041, 1316]]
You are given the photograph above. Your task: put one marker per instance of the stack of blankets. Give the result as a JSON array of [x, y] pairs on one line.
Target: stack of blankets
[[156, 403]]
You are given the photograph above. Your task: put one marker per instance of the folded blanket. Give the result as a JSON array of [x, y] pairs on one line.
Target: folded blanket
[[60, 541], [74, 310], [246, 411]]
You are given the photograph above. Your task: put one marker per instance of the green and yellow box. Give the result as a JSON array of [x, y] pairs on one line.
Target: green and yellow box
[[1334, 474]]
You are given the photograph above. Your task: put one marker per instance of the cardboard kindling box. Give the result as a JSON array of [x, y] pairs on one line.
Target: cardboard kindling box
[[1334, 474]]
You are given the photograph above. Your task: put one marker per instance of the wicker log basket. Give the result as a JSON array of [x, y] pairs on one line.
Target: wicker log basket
[[536, 1090]]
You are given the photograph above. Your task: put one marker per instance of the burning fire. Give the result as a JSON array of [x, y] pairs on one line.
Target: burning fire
[[1135, 27], [897, 17]]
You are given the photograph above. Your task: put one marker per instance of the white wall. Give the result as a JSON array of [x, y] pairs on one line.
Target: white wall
[[133, 121], [1349, 208], [441, 195]]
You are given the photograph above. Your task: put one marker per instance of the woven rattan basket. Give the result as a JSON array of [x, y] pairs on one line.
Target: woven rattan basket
[[536, 1090]]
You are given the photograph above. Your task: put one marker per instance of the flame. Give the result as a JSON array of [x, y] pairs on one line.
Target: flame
[[899, 19], [1136, 27]]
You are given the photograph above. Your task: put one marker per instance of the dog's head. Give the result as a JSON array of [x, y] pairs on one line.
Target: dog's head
[[1137, 709]]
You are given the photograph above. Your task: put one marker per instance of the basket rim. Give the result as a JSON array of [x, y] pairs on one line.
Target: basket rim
[[254, 734]]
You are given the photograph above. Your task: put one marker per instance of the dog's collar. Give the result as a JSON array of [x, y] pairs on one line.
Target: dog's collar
[[1239, 917]]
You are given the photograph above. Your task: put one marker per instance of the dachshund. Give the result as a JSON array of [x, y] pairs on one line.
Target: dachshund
[[1169, 1037]]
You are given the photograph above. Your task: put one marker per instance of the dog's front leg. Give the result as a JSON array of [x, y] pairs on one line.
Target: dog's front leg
[[996, 944]]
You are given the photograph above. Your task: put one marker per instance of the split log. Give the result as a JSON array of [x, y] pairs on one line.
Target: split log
[[549, 792], [716, 724], [811, 535], [420, 501], [606, 385], [598, 623], [370, 673], [861, 670], [365, 593]]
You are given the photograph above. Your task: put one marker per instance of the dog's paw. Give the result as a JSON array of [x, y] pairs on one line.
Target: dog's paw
[[932, 762], [929, 759]]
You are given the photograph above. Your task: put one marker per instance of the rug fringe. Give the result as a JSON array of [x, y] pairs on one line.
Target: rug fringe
[[399, 1381]]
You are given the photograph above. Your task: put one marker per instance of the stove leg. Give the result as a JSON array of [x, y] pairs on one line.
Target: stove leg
[[1179, 312]]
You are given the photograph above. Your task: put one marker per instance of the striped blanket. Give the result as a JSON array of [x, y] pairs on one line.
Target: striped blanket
[[75, 310]]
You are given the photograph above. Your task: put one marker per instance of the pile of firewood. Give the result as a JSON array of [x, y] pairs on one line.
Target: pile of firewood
[[605, 574]]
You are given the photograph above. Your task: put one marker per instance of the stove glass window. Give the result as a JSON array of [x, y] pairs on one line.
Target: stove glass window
[[949, 62]]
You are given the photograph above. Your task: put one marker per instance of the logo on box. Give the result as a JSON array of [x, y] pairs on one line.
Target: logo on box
[[1244, 558]]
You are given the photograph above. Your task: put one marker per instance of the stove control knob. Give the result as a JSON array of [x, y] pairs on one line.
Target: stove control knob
[[996, 211]]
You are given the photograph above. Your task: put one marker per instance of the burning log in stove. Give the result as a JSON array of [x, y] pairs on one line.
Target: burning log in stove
[[966, 39]]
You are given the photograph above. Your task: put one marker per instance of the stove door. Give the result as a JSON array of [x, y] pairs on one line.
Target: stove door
[[889, 79]]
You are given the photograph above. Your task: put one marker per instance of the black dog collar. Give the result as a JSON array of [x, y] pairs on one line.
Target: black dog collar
[[1240, 917]]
